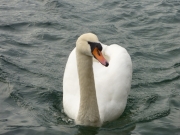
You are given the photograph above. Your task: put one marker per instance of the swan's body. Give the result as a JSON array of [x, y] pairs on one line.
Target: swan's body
[[106, 100]]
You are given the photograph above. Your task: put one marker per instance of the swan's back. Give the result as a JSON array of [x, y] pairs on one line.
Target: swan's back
[[112, 83]]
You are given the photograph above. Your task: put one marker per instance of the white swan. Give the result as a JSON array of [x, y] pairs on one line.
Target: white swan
[[93, 93]]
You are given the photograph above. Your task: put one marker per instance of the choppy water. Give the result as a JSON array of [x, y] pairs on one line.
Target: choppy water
[[36, 37]]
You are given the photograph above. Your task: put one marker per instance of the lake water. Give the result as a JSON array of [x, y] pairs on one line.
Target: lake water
[[36, 37]]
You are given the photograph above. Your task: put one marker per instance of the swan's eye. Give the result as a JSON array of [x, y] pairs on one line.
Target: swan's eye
[[94, 45], [100, 47]]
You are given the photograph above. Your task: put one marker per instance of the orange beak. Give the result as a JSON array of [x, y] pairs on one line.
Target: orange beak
[[98, 55]]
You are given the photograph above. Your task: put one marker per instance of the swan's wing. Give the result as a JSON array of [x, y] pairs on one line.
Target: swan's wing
[[71, 92], [113, 83]]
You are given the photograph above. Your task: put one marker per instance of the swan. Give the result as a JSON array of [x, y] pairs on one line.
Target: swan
[[96, 82]]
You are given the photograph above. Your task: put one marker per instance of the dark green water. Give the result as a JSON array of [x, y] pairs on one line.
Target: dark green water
[[36, 37]]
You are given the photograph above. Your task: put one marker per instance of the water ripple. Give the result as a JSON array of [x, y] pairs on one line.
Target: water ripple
[[36, 38]]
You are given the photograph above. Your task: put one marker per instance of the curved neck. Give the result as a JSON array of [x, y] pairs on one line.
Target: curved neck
[[88, 109]]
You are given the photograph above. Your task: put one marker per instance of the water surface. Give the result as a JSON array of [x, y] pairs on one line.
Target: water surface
[[36, 38]]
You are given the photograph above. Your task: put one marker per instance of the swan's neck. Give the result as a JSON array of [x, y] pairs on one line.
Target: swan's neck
[[88, 109]]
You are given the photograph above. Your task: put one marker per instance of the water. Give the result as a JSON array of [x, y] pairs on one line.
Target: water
[[36, 37]]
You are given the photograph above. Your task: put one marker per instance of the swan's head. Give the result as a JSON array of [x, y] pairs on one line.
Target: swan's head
[[88, 44]]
